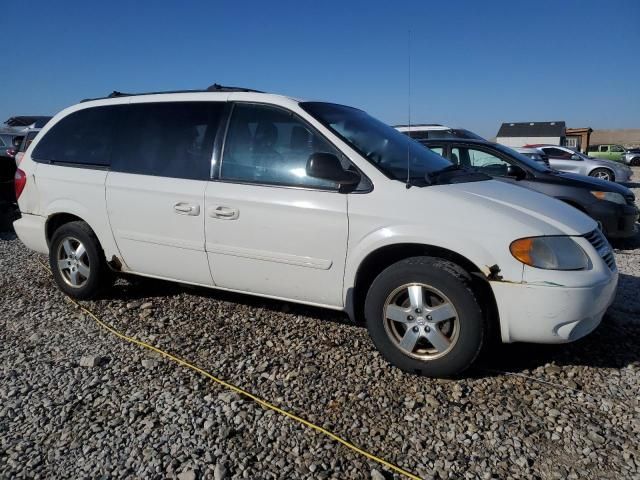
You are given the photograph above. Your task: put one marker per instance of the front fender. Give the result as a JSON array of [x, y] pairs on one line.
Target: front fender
[[482, 255]]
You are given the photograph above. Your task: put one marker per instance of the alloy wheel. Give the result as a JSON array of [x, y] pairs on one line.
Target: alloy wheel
[[73, 262], [421, 321]]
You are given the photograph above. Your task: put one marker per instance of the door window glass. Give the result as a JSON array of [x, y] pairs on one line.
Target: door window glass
[[479, 160], [617, 148], [437, 150], [556, 153], [167, 139], [270, 146], [83, 137]]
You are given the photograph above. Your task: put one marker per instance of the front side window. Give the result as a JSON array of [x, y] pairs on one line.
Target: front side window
[[167, 139], [82, 137], [617, 149], [556, 153], [268, 145], [480, 160], [392, 152], [604, 148]]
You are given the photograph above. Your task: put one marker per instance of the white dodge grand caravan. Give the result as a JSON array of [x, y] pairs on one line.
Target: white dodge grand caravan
[[314, 203]]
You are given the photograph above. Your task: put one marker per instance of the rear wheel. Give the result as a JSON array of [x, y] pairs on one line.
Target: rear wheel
[[603, 174], [424, 318], [77, 261], [635, 162]]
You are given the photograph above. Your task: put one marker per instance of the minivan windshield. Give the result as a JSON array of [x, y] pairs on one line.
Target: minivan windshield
[[392, 152]]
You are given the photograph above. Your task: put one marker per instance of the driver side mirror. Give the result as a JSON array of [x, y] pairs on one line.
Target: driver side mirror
[[517, 172], [326, 166], [576, 157]]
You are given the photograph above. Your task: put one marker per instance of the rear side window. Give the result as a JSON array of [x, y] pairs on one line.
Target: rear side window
[[83, 137], [168, 139]]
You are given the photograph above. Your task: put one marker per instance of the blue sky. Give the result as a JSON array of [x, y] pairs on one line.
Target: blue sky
[[474, 63]]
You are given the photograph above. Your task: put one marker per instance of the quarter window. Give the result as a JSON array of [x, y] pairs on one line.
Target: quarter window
[[267, 145], [83, 137], [167, 139]]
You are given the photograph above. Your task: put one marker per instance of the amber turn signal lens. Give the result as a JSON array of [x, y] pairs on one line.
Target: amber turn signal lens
[[522, 250]]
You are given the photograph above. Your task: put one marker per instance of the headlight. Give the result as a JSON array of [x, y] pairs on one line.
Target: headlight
[[610, 197], [550, 253]]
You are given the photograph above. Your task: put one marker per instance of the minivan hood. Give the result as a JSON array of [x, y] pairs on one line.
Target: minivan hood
[[503, 204]]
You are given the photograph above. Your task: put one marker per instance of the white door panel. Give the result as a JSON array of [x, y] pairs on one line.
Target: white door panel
[[277, 241], [158, 225]]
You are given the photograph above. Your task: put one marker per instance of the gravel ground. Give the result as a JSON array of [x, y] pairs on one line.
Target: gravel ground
[[77, 402]]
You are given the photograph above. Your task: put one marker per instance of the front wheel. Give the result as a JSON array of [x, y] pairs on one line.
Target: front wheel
[[635, 162], [603, 174], [424, 318]]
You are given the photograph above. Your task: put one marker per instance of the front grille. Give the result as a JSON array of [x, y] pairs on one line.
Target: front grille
[[600, 243]]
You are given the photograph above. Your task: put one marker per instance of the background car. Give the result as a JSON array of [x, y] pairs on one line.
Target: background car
[[632, 157], [534, 154], [607, 151], [610, 204], [29, 136], [567, 160], [434, 130], [8, 143]]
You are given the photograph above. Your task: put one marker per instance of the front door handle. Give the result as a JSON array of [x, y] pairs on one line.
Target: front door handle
[[224, 213], [184, 208]]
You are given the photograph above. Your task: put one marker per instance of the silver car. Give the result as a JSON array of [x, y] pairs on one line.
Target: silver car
[[632, 157], [568, 160]]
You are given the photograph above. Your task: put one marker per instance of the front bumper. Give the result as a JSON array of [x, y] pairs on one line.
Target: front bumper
[[618, 221], [623, 176], [544, 313]]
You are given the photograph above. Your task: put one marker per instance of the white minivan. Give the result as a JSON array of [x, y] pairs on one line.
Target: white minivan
[[315, 203]]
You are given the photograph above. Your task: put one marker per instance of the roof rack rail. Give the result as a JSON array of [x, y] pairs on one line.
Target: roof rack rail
[[212, 88]]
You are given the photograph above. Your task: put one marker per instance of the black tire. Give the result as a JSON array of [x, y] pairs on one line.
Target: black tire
[[455, 285], [635, 162], [603, 174], [99, 276]]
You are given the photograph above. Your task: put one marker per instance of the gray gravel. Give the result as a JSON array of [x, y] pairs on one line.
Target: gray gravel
[[77, 402]]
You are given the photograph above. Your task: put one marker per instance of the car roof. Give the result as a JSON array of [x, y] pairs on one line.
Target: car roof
[[421, 127], [473, 141]]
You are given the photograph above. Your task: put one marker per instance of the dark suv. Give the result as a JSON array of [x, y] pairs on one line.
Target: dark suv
[[610, 204]]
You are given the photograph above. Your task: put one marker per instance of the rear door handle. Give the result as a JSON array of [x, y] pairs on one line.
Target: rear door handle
[[184, 208], [224, 213]]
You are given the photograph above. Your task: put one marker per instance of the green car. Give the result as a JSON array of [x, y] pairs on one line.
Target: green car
[[609, 152]]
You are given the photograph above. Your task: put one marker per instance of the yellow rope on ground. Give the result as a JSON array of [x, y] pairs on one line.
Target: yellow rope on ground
[[240, 391]]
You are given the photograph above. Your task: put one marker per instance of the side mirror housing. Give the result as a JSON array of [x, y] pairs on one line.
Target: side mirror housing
[[326, 166], [575, 157], [516, 172]]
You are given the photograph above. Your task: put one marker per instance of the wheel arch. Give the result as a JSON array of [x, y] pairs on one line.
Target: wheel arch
[[379, 259], [603, 167], [56, 220]]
